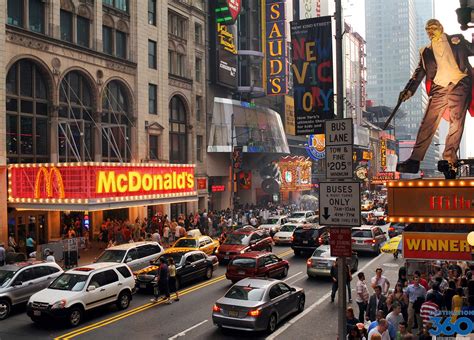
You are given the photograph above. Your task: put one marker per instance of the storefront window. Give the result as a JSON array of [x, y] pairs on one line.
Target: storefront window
[[27, 114], [178, 131], [115, 123], [75, 119]]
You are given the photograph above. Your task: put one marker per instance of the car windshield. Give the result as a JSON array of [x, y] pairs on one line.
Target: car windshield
[[112, 256], [175, 256], [186, 243], [319, 252], [272, 220], [71, 282], [244, 262], [240, 239], [297, 215], [306, 233], [288, 228], [245, 293], [362, 233], [6, 276]]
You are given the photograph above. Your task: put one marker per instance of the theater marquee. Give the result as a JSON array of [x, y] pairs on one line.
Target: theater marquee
[[431, 201], [96, 186]]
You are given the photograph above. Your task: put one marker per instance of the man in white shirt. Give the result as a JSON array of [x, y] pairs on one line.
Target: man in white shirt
[[395, 316], [381, 329], [380, 280]]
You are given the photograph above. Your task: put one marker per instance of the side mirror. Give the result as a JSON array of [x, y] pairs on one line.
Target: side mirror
[[293, 289], [17, 283], [279, 259], [90, 288]]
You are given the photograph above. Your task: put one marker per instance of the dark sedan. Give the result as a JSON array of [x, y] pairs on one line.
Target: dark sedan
[[396, 229], [190, 266], [257, 304]]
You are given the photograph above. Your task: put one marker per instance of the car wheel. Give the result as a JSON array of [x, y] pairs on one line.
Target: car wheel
[[123, 300], [75, 316], [301, 302], [208, 273], [272, 323], [5, 308], [285, 272]]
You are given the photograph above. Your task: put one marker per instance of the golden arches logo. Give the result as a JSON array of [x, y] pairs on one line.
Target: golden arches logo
[[48, 176]]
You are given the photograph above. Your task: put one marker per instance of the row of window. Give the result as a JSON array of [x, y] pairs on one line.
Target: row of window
[[28, 126]]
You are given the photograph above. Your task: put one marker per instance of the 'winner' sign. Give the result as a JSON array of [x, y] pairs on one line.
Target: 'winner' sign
[[312, 67]]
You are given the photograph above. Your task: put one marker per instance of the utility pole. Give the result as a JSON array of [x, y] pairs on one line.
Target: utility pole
[[341, 267], [232, 175]]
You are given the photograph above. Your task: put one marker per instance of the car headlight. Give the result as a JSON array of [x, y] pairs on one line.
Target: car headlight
[[59, 304]]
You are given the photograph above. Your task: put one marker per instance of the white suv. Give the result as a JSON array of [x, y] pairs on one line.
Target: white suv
[[81, 289]]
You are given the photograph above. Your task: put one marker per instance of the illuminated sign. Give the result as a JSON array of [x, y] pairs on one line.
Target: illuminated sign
[[275, 48], [383, 153], [289, 115], [98, 182], [316, 146], [227, 11], [383, 177], [245, 180], [313, 88], [201, 183], [431, 201], [218, 188], [226, 55], [436, 246], [296, 173]]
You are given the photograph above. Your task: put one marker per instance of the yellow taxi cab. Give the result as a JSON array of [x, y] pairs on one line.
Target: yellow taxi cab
[[203, 243]]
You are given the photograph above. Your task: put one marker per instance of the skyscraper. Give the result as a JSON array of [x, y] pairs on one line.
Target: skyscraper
[[394, 34]]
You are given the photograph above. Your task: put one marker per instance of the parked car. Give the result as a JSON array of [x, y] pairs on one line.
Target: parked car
[[306, 237], [396, 229], [257, 304], [273, 224], [368, 238], [81, 289], [203, 243], [190, 266], [256, 264], [136, 255], [241, 241], [21, 280], [285, 235], [300, 216], [320, 263]]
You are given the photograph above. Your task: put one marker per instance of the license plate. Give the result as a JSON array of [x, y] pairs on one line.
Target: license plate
[[233, 313], [36, 313], [305, 242], [360, 242], [142, 285], [241, 272]]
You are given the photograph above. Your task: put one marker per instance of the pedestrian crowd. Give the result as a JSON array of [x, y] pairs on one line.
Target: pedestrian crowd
[[405, 312]]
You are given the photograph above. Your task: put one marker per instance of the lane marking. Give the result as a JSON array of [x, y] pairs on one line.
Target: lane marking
[[313, 306], [288, 278], [144, 307], [293, 282], [183, 333]]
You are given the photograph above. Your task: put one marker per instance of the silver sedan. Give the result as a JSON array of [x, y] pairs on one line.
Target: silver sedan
[[257, 305]]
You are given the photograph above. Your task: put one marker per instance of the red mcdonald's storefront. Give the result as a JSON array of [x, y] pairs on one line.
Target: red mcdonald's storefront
[[39, 193]]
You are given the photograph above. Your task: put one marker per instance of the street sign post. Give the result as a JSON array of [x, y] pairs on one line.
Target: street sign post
[[339, 162], [339, 203], [339, 132]]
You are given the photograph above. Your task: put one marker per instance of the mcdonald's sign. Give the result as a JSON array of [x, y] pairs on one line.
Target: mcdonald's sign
[[47, 182], [98, 182]]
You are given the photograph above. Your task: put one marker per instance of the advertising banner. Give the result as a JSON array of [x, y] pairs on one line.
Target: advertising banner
[[289, 115], [313, 88], [275, 48], [98, 182], [226, 55], [309, 9], [436, 246]]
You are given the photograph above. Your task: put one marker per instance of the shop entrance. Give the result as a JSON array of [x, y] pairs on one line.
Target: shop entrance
[[24, 223]]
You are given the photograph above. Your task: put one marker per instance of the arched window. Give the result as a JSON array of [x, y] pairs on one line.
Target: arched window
[[27, 127], [75, 119], [178, 137], [116, 113]]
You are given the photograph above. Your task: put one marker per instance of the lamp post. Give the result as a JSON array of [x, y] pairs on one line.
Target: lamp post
[[232, 182]]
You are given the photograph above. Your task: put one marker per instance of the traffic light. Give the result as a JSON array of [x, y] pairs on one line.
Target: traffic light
[[227, 11], [464, 13]]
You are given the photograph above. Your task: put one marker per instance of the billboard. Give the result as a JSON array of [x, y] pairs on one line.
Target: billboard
[[226, 55], [275, 48], [312, 66], [98, 182], [289, 115], [309, 9], [436, 246]]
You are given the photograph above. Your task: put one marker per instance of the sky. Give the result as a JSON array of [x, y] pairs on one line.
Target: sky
[[445, 13]]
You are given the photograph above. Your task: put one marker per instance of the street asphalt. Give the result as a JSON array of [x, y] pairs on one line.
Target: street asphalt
[[190, 318]]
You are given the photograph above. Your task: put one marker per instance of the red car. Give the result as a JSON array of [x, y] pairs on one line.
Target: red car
[[256, 264], [242, 241]]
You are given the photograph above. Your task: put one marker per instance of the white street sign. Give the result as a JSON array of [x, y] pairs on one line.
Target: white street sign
[[339, 132], [339, 162], [339, 203]]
